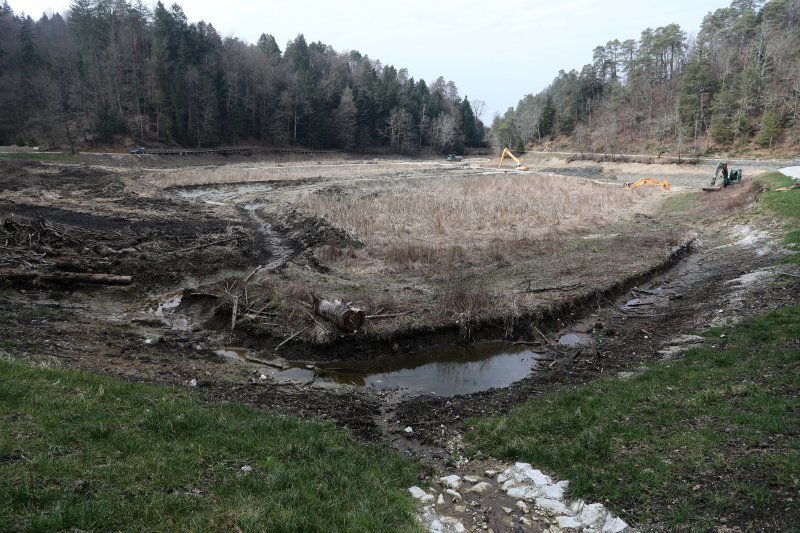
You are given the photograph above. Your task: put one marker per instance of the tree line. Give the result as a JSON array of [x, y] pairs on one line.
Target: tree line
[[113, 69], [735, 85]]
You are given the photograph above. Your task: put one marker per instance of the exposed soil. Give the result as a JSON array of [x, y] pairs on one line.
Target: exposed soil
[[235, 267]]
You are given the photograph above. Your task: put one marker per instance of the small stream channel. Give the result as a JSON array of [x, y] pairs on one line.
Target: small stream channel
[[244, 197]]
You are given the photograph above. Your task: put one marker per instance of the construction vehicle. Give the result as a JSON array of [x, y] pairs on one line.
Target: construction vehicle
[[507, 152], [728, 178], [647, 181], [453, 158]]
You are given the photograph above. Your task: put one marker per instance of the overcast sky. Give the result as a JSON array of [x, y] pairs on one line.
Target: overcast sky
[[494, 51]]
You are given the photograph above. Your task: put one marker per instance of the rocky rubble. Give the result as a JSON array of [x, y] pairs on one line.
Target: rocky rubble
[[518, 498]]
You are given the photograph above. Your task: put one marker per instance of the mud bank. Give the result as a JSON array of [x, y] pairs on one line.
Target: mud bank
[[527, 326]]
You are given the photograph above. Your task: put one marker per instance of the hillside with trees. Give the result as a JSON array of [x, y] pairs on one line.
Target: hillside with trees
[[735, 87], [113, 72]]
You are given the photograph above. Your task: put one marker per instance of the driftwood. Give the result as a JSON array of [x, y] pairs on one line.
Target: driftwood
[[65, 278], [344, 316], [391, 315], [290, 338]]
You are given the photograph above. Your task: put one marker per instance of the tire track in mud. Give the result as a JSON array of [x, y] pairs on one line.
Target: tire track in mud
[[279, 251], [275, 245]]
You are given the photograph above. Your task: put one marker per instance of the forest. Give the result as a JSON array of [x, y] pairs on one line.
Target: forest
[[114, 72], [733, 86]]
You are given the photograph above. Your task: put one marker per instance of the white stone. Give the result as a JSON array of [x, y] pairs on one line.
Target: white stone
[[507, 510], [567, 522], [480, 488], [554, 492], [533, 493], [592, 515], [440, 500], [193, 383], [554, 506], [525, 521], [453, 481], [538, 478], [453, 493], [576, 506], [502, 477], [453, 523], [472, 479], [517, 492], [490, 473], [246, 469], [409, 430], [614, 525], [522, 506], [420, 494]]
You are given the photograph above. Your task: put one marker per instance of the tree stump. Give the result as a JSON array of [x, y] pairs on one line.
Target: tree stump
[[344, 316]]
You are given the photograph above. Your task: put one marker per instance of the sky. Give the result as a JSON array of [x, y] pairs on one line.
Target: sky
[[496, 53]]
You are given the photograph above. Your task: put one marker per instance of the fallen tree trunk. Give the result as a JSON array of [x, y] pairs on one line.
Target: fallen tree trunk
[[64, 278], [344, 316]]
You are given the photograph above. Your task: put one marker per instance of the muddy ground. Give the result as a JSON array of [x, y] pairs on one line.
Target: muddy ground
[[230, 262]]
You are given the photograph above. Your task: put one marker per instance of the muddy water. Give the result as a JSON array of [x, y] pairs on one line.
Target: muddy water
[[444, 371]]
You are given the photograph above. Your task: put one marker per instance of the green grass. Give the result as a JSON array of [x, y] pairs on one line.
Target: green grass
[[680, 202], [98, 454], [42, 158], [713, 435], [784, 204]]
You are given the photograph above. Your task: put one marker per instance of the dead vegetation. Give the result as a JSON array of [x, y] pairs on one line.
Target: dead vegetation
[[275, 172], [480, 218]]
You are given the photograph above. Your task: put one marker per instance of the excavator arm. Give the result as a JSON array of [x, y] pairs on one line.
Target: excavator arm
[[507, 152], [647, 181]]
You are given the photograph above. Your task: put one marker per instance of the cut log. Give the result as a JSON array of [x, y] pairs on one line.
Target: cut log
[[64, 278], [347, 318]]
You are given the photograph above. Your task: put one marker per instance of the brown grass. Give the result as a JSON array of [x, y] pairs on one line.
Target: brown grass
[[266, 172], [481, 218]]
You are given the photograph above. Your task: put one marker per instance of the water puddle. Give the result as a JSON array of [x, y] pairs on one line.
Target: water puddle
[[233, 353], [443, 371], [574, 339], [165, 304]]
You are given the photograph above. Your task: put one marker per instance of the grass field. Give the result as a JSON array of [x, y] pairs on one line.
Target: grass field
[[710, 438], [97, 454], [786, 204]]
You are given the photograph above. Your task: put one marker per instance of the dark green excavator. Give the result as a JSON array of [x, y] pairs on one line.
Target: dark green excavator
[[728, 177]]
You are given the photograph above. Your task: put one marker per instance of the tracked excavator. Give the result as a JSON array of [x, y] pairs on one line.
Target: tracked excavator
[[728, 178], [507, 152], [647, 181]]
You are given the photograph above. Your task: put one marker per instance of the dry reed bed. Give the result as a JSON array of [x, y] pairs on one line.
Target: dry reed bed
[[486, 213], [248, 173]]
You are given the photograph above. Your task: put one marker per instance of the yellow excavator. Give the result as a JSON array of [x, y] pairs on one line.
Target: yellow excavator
[[647, 181], [507, 152]]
